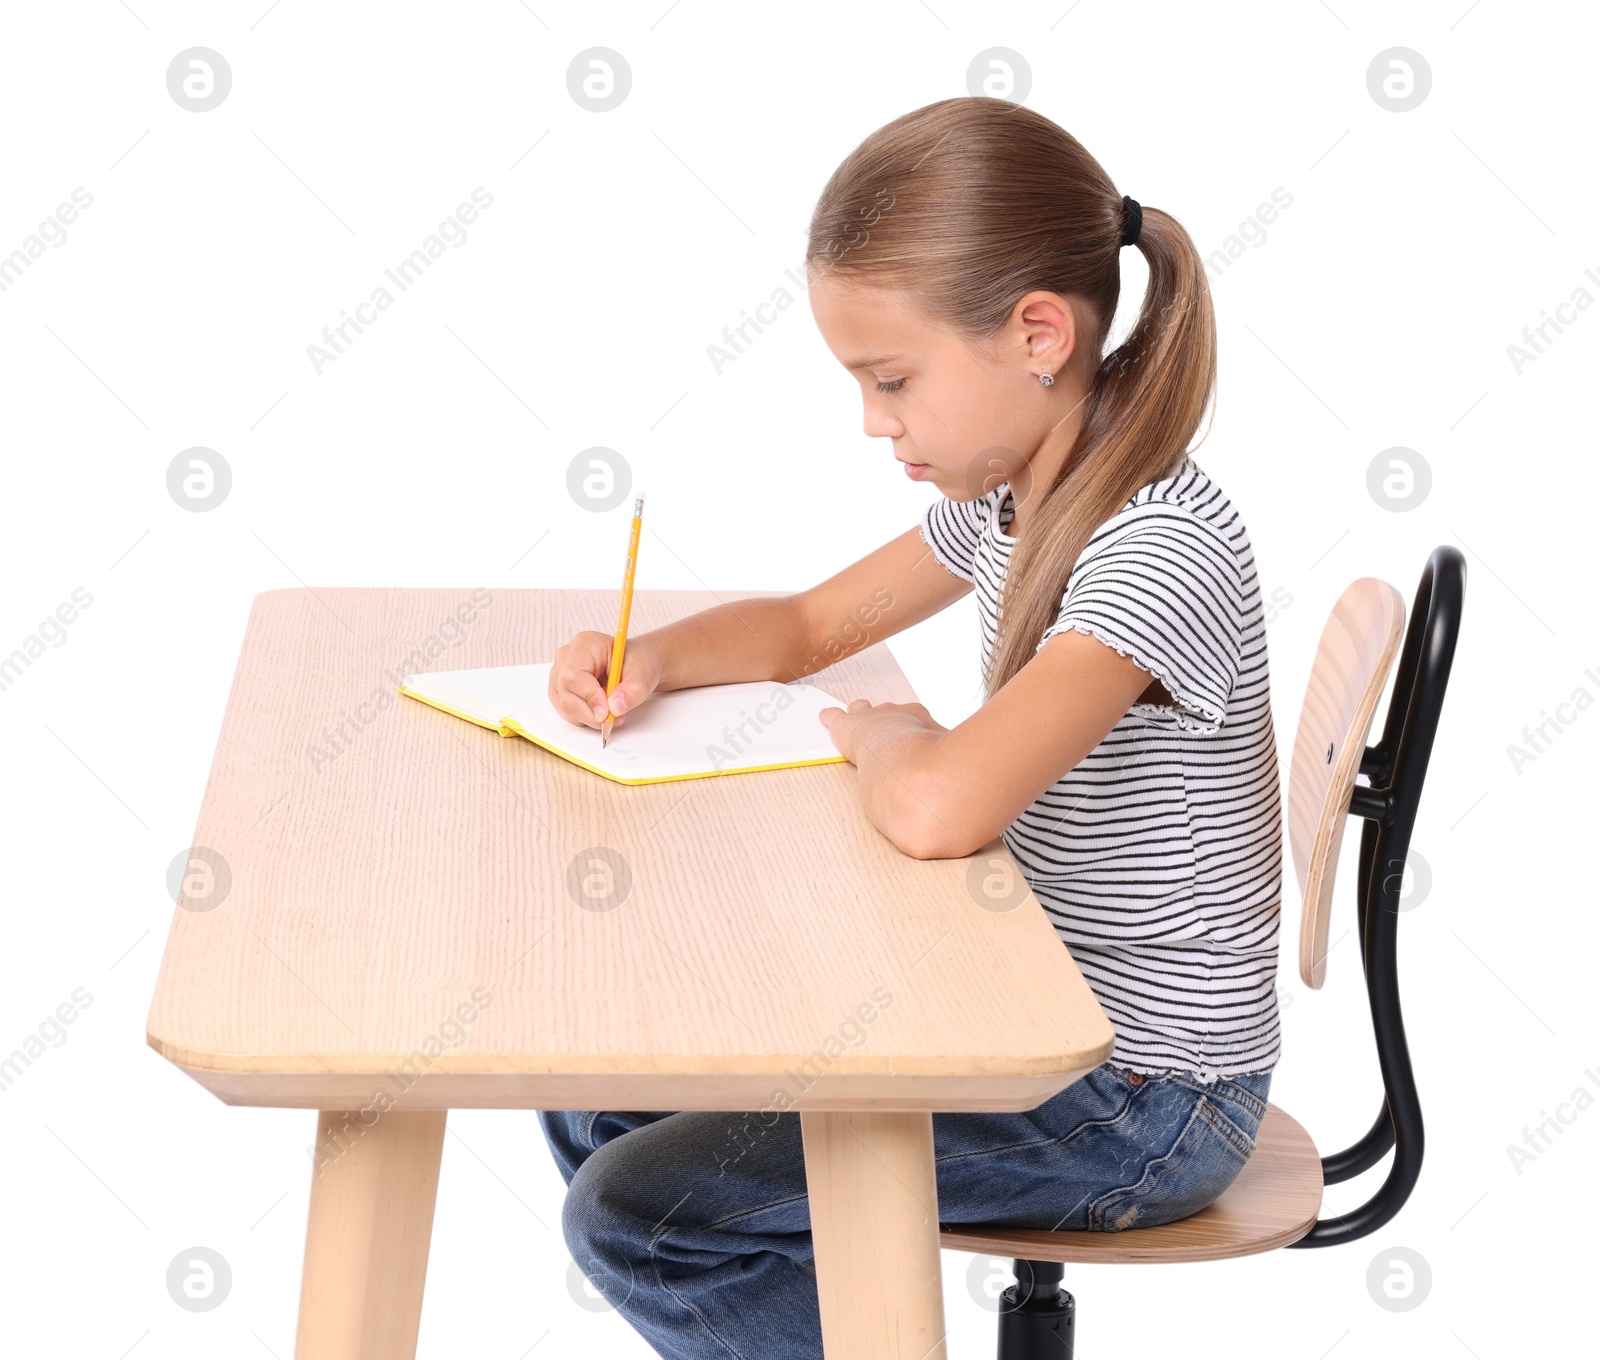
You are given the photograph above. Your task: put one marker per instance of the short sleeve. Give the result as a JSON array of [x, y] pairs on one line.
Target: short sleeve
[[953, 529], [1165, 589]]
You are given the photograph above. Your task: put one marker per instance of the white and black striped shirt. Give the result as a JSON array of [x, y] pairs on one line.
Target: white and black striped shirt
[[1159, 857]]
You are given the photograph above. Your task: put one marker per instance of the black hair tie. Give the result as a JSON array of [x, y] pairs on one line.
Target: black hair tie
[[1132, 220]]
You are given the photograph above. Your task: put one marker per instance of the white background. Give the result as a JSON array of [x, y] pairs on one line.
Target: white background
[[1376, 312]]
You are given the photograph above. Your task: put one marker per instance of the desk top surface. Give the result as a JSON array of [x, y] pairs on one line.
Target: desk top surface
[[388, 885]]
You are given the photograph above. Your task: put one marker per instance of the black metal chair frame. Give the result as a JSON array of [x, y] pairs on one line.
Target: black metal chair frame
[[1037, 1316]]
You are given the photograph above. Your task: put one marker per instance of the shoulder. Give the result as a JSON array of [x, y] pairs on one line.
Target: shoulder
[[1191, 490], [1186, 517], [1165, 581]]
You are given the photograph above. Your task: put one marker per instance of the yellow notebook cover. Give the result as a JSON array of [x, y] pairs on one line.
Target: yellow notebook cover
[[681, 734]]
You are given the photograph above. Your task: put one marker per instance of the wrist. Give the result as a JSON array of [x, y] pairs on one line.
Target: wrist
[[906, 791], [647, 647]]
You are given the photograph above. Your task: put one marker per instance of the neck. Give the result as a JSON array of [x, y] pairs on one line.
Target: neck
[[1047, 461]]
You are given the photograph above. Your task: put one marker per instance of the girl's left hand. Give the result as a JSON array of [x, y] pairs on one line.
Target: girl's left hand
[[892, 747], [867, 729]]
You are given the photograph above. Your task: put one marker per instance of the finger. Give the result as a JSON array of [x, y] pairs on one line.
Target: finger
[[629, 694], [576, 710], [585, 695], [839, 732], [856, 705], [566, 703]]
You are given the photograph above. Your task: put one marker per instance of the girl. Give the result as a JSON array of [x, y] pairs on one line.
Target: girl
[[963, 265]]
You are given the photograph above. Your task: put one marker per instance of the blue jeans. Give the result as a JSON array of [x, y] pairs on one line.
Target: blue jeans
[[695, 1226]]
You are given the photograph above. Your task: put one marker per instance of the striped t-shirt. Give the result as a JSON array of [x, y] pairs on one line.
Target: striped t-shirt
[[1159, 857]]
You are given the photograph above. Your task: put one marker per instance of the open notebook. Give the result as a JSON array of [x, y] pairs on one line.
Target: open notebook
[[681, 734]]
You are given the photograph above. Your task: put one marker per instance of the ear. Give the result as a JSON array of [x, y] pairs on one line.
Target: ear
[[1047, 327]]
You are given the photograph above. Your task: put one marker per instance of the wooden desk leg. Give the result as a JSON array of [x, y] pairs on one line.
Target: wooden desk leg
[[372, 1198], [875, 1227]]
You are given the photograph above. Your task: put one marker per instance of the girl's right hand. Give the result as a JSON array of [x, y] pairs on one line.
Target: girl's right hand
[[578, 678]]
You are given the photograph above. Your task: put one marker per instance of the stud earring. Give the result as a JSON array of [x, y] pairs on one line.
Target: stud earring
[[1045, 380]]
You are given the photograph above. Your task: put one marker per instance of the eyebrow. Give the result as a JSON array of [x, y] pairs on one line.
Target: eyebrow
[[873, 361]]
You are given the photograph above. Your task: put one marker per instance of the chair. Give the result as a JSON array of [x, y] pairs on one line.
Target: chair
[[1276, 1197]]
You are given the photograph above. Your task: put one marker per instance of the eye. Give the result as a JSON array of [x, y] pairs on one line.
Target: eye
[[894, 386]]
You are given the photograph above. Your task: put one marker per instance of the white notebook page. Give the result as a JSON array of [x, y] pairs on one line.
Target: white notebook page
[[681, 734]]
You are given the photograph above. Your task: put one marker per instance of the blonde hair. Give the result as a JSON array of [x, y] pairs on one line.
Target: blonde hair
[[969, 204]]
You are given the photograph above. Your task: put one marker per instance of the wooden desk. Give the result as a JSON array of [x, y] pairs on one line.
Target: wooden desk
[[403, 927]]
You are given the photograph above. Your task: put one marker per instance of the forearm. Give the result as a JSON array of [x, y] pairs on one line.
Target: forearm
[[904, 792], [944, 793], [765, 638]]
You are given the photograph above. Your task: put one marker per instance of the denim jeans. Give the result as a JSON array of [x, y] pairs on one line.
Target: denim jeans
[[695, 1226]]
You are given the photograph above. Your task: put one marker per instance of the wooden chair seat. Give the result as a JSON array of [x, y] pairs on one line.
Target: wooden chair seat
[[1273, 1202]]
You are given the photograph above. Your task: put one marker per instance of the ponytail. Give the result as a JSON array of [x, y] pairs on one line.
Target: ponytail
[[1144, 405]]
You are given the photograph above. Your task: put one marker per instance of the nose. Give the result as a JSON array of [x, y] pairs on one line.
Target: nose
[[878, 423]]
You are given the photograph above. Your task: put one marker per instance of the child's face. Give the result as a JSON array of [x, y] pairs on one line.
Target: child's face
[[959, 417]]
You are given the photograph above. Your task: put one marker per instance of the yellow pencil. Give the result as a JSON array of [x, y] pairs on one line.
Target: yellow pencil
[[620, 643]]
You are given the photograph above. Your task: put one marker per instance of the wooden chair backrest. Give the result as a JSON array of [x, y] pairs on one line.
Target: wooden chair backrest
[[1354, 658]]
